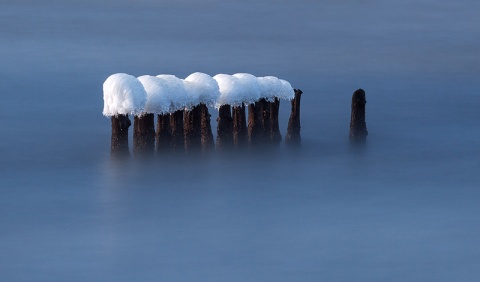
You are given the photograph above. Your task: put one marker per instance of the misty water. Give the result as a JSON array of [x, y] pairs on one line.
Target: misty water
[[404, 207]]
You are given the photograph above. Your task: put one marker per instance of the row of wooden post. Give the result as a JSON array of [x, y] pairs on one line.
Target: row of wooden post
[[190, 130]]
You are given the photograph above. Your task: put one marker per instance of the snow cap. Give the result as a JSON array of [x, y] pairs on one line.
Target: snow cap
[[231, 90], [251, 87], [158, 96], [123, 94], [287, 93], [272, 87], [192, 92], [176, 91], [207, 88]]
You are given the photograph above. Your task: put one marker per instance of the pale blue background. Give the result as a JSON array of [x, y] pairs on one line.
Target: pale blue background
[[404, 208]]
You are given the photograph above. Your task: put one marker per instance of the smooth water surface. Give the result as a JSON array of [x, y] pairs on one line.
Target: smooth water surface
[[405, 207]]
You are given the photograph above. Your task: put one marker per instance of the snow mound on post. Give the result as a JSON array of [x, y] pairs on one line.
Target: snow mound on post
[[207, 87], [158, 96], [192, 93], [123, 94], [231, 90], [272, 88], [288, 93], [175, 89], [251, 87]]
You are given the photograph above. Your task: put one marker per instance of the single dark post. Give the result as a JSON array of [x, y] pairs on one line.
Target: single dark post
[[176, 127], [358, 126], [164, 133], [192, 129], [240, 132], [224, 128], [144, 135], [256, 129], [119, 147], [206, 131], [266, 121], [275, 136], [293, 130]]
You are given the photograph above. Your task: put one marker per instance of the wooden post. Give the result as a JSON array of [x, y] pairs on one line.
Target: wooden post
[[144, 135], [358, 126], [192, 129], [293, 130], [274, 134], [240, 132], [266, 121], [207, 136], [119, 144], [164, 133], [256, 129], [224, 128], [176, 127]]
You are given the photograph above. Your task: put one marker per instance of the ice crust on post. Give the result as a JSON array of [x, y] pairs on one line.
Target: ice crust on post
[[123, 94]]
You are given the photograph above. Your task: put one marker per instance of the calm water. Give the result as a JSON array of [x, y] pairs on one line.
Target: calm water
[[403, 208]]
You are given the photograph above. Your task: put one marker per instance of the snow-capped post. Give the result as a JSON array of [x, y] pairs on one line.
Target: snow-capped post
[[123, 94], [159, 100], [203, 92], [240, 133], [170, 101], [275, 135], [293, 130], [358, 126], [224, 128], [235, 90], [272, 90]]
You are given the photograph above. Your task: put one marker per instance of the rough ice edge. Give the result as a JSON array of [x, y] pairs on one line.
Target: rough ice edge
[[123, 94]]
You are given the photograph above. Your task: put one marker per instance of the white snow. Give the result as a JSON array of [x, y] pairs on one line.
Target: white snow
[[123, 94], [231, 90], [251, 87], [273, 87], [207, 87], [287, 92], [159, 100], [238, 89], [175, 89], [192, 93]]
